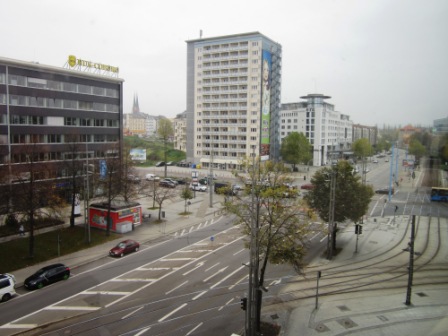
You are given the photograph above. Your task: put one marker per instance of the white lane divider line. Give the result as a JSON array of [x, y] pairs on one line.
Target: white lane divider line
[[215, 274], [105, 293], [195, 268], [141, 332], [183, 232], [191, 229], [131, 313], [70, 308], [239, 251], [227, 303], [225, 278], [199, 295], [172, 312], [18, 326], [192, 330], [212, 266], [172, 290], [240, 280]]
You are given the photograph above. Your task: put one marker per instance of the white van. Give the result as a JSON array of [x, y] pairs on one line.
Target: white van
[[7, 283], [152, 177]]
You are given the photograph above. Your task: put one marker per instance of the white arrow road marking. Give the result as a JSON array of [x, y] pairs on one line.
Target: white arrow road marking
[[275, 282], [195, 268], [211, 276]]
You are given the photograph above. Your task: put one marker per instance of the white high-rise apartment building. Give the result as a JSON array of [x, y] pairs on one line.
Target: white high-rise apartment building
[[328, 131], [233, 99]]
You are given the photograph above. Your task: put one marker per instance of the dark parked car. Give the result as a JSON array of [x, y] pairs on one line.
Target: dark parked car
[[182, 181], [160, 164], [307, 186], [47, 275], [125, 247], [384, 191], [170, 163], [167, 184]]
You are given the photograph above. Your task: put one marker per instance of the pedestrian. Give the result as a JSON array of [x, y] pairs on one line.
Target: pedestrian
[[21, 230]]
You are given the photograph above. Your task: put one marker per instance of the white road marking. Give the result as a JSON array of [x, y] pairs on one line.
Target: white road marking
[[199, 295], [105, 293], [131, 313], [189, 333], [133, 280], [317, 234], [275, 282], [18, 326], [237, 270], [172, 290], [212, 266], [142, 331], [236, 283], [195, 268], [215, 274], [70, 308], [173, 312], [227, 303], [178, 259], [239, 251]]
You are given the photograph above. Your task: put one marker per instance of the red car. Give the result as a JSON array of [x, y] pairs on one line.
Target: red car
[[125, 247], [307, 186]]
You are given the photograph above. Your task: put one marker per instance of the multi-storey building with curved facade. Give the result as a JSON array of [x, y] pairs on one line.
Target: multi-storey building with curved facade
[[49, 115]]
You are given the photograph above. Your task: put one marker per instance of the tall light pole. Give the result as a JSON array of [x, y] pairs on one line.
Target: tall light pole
[[87, 196], [331, 229], [210, 180], [253, 295]]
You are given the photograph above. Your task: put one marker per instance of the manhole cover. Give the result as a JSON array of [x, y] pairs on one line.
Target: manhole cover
[[321, 328], [274, 317], [347, 323], [343, 308], [383, 318]]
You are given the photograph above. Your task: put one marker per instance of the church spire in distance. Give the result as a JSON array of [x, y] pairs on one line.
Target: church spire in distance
[[135, 107]]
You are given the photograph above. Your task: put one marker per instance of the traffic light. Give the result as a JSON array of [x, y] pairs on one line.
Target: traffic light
[[358, 229], [244, 303]]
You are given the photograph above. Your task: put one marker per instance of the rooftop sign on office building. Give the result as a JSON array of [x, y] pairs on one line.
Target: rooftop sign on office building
[[99, 68]]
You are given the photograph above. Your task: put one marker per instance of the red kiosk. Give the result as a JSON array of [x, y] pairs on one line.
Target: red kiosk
[[124, 216]]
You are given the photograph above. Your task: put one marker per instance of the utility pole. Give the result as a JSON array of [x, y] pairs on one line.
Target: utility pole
[[253, 296], [87, 196], [210, 179], [331, 229], [411, 263]]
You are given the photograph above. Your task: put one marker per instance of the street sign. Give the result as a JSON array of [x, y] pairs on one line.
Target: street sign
[[194, 174]]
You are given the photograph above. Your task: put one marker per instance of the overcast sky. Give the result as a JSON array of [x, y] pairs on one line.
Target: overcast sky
[[381, 61]]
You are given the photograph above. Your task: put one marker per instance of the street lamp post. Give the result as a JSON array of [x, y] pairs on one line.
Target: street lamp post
[[331, 228]]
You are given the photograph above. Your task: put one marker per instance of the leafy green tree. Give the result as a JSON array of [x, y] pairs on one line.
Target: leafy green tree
[[187, 194], [277, 225], [296, 149], [352, 197], [165, 132], [362, 148], [417, 149]]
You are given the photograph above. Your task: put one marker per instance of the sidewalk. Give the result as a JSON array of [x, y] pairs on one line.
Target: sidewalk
[[367, 313], [199, 208]]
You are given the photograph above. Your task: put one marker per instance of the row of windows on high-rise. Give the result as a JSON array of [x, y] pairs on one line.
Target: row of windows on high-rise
[[57, 138], [18, 100], [58, 121], [54, 85]]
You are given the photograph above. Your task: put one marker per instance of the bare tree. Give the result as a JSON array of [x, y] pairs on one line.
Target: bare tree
[[161, 195], [32, 194], [165, 132], [276, 222]]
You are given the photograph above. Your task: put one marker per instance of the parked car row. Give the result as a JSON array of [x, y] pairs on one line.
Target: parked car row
[[56, 272]]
